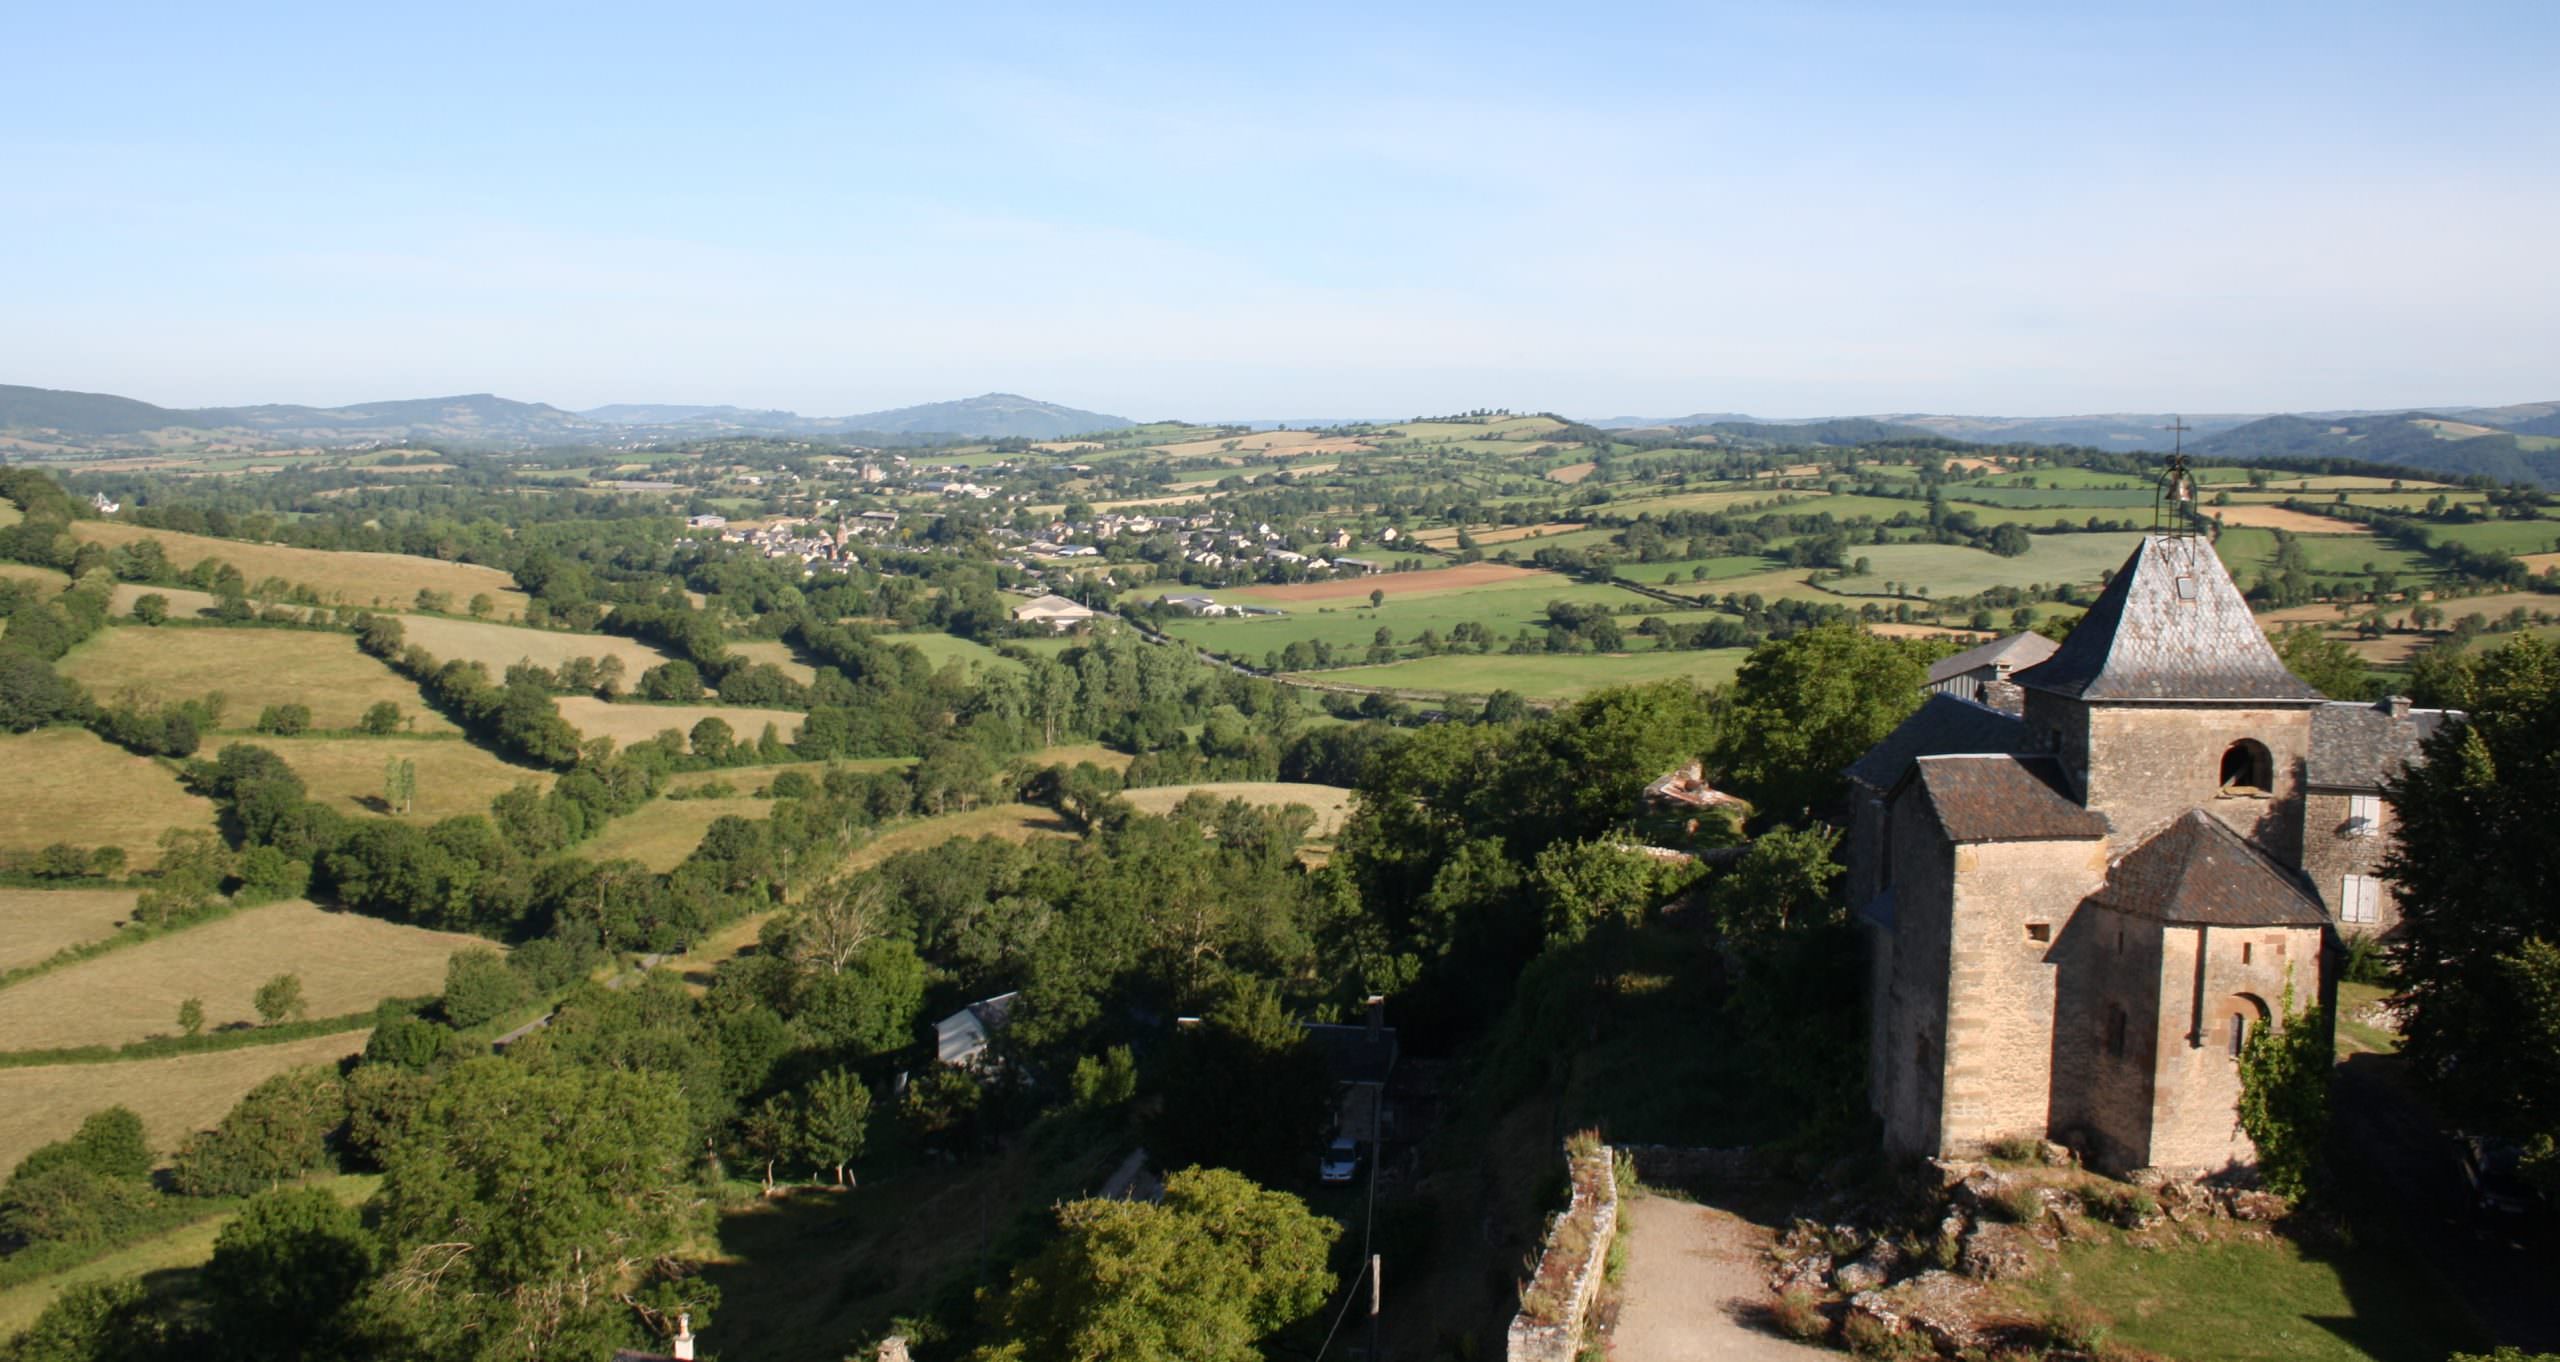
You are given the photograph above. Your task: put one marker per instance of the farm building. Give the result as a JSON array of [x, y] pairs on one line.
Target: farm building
[[2079, 911], [1054, 611], [963, 1036], [1965, 674]]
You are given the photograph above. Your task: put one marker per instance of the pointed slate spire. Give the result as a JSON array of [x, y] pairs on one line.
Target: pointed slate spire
[[2170, 626]]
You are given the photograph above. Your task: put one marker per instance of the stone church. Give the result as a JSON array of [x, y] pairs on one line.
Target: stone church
[[2086, 887]]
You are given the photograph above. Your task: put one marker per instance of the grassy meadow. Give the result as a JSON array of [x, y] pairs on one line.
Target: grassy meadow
[[1506, 605], [1540, 676], [252, 668], [173, 1096], [346, 962], [1330, 803], [939, 648], [662, 832], [778, 653], [67, 785]]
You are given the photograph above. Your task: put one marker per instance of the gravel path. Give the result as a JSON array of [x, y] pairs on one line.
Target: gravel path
[[1691, 1270]]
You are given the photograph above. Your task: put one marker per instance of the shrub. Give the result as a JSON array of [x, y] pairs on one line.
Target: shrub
[[478, 987], [2018, 1149], [2077, 1326], [68, 1203], [2367, 961], [2021, 1203], [2124, 1207], [1868, 1336], [280, 999], [1798, 1315]]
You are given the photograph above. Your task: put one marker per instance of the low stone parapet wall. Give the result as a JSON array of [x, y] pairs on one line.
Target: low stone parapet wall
[[1556, 1304]]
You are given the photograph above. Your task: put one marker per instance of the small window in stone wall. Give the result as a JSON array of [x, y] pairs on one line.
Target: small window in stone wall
[[2246, 951], [2039, 931], [2360, 899], [2115, 1031]]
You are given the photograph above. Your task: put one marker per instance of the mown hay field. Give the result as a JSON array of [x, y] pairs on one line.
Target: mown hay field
[[385, 580], [500, 646], [1331, 803], [778, 653], [1540, 676], [1955, 570], [183, 603], [346, 962], [1489, 535], [66, 785], [49, 578], [941, 648], [1508, 604], [36, 923], [630, 723], [347, 774], [252, 668], [174, 1096], [1469, 577]]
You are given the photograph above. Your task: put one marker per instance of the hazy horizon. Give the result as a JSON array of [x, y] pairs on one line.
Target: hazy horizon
[[1318, 213]]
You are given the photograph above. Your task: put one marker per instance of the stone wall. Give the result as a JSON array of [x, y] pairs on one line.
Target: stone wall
[[1594, 1208], [2330, 854], [1909, 1066], [2111, 968], [2148, 764], [2209, 975]]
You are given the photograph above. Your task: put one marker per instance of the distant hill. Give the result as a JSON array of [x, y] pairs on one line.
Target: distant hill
[[104, 421], [1846, 430], [2424, 441]]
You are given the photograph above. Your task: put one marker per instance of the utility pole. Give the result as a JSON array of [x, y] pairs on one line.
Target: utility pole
[[1373, 1308]]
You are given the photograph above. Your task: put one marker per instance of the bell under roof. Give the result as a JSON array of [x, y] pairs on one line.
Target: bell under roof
[[2170, 626]]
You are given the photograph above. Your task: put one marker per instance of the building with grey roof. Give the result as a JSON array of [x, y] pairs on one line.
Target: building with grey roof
[[2079, 910], [1966, 674]]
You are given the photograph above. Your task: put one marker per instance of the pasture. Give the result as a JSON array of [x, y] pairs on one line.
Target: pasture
[[347, 963], [1950, 570], [630, 723], [1508, 603], [940, 648], [1330, 803], [252, 668], [2282, 518], [662, 832], [2508, 536], [1490, 535], [1540, 676], [1469, 577], [183, 603], [37, 923], [66, 785], [386, 580], [500, 646], [49, 578], [454, 777], [175, 1096]]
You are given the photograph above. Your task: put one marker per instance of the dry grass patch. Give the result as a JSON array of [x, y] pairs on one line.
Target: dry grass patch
[[65, 785], [1331, 803], [174, 1097], [49, 578], [1400, 583], [390, 580], [1572, 473], [779, 654], [453, 776], [627, 724], [37, 923], [253, 668], [1496, 534], [500, 646], [183, 603], [2284, 518], [347, 963]]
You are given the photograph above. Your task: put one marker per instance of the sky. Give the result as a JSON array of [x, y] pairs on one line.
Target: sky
[[1289, 211]]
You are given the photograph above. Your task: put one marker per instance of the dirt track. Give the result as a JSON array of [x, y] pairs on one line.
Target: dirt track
[[1692, 1271]]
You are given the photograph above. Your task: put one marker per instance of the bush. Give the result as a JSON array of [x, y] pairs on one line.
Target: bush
[[2020, 1204], [1798, 1315], [1870, 1337], [2078, 1327], [109, 1143], [478, 987], [67, 1203], [2367, 961], [2121, 1206], [2018, 1149]]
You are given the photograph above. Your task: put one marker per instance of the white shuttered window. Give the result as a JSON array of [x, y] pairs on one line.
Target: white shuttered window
[[2360, 899]]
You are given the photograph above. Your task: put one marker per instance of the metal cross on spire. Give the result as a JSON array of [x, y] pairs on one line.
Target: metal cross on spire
[[2173, 510]]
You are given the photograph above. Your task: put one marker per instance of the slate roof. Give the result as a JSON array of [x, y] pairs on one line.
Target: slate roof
[[2017, 650], [2198, 872], [2169, 626], [1991, 798], [2359, 746], [1942, 724]]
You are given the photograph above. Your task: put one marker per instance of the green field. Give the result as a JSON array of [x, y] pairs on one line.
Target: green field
[[662, 832], [1680, 571], [1540, 676], [939, 648], [2073, 498], [2272, 1300], [1353, 624], [173, 1096], [1955, 570], [2248, 552], [453, 776], [2510, 536]]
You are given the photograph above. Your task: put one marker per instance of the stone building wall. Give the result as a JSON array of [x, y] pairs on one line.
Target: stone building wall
[[2328, 857], [2012, 903], [2111, 968], [2147, 764], [2208, 975], [1912, 1041]]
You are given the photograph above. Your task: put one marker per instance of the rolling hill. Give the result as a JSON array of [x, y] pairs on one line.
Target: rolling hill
[[2414, 440]]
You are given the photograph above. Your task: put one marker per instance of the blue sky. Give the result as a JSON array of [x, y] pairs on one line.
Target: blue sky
[[1284, 211]]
